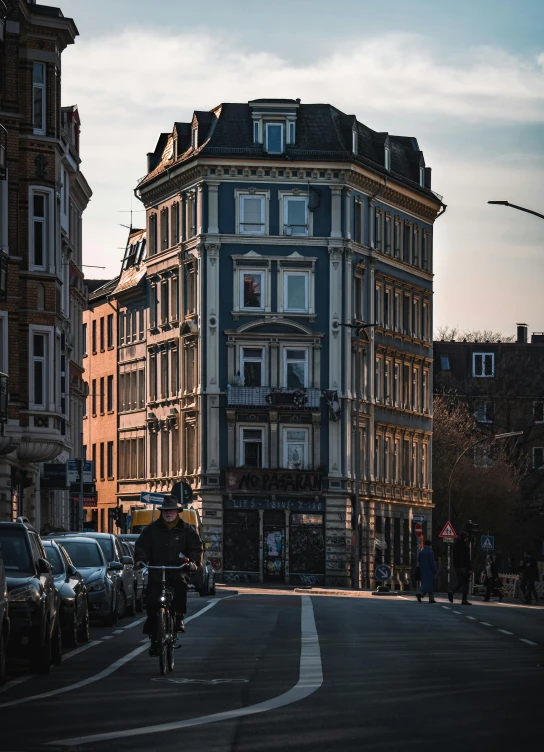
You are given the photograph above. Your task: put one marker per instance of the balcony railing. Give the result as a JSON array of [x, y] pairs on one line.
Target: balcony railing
[[273, 397]]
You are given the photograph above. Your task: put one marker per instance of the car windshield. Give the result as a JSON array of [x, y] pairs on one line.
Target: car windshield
[[83, 554], [16, 550], [53, 557], [107, 547]]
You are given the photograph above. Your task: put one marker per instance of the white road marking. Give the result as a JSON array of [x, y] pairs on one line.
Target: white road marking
[[486, 624], [102, 674], [310, 680], [448, 608], [404, 598], [529, 642], [65, 657], [505, 631], [456, 612], [135, 623], [107, 637], [472, 618], [118, 631]]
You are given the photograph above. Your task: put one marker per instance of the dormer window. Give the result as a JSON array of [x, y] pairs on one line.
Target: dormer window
[[354, 141], [256, 132], [274, 138], [291, 132], [194, 138], [387, 158], [422, 177]]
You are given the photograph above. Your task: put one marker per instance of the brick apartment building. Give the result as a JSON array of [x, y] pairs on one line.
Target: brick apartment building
[[100, 424], [42, 197]]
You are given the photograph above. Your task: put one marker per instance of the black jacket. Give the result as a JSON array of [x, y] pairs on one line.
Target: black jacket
[[461, 555], [158, 545]]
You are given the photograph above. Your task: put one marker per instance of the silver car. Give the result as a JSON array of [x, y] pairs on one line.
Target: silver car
[[112, 549]]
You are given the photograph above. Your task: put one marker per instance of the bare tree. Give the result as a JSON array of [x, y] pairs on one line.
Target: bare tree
[[449, 333]]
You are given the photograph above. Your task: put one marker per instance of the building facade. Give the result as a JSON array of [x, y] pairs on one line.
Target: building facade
[[503, 385], [275, 230], [42, 197]]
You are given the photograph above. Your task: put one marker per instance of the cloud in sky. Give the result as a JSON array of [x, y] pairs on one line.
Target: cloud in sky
[[132, 86]]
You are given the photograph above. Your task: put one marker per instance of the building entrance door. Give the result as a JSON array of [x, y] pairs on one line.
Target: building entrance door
[[274, 546]]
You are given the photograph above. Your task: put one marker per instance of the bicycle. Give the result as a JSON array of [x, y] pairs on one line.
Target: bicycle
[[166, 632]]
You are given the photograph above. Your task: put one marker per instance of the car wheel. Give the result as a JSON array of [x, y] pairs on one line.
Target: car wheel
[[2, 659], [113, 618], [84, 633], [56, 646], [121, 604], [40, 653], [70, 637]]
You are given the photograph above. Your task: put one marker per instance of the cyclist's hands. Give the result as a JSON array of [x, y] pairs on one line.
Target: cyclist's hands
[[192, 566]]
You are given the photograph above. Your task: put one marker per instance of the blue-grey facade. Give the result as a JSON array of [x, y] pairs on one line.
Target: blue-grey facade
[[275, 229]]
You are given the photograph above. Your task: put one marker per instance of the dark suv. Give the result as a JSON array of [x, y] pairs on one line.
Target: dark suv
[[33, 600]]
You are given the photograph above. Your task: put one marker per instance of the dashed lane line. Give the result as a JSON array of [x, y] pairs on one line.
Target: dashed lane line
[[449, 609], [505, 631], [107, 637], [472, 618], [101, 674], [310, 680], [486, 624], [456, 612], [135, 623], [118, 631], [65, 657], [529, 642]]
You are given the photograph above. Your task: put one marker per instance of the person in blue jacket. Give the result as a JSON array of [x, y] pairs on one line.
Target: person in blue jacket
[[428, 570]]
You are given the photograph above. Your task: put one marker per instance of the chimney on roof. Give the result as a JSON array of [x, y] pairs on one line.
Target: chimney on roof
[[522, 334]]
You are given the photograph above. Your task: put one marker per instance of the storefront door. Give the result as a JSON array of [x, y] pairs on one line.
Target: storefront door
[[274, 546], [241, 546]]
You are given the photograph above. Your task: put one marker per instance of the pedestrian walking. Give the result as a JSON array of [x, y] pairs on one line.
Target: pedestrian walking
[[491, 578], [428, 570], [463, 568], [529, 577]]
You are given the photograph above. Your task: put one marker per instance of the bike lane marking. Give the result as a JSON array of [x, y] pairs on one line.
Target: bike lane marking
[[310, 680], [102, 674], [135, 623], [65, 657], [529, 642]]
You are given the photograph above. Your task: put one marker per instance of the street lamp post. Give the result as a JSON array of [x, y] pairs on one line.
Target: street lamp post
[[496, 437], [514, 206]]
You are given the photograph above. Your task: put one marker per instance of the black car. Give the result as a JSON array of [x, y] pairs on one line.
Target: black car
[[4, 618], [89, 560], [74, 609], [33, 599]]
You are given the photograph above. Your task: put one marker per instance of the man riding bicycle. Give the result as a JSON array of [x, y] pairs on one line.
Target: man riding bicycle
[[164, 543]]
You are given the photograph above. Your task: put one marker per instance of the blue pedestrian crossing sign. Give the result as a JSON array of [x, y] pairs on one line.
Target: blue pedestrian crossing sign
[[383, 573], [488, 543]]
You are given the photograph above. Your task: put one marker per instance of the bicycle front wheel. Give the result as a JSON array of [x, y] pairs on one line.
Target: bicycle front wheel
[[170, 650], [162, 639]]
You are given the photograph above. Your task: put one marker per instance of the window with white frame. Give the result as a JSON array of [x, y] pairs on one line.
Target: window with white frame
[[295, 448], [41, 367], [354, 141], [252, 220], [252, 290], [538, 458], [388, 460], [387, 381], [415, 317], [295, 291], [397, 239], [256, 138], [40, 229], [483, 365], [387, 158], [358, 298], [377, 229], [425, 251], [378, 379], [194, 138], [424, 465], [426, 393], [358, 221], [39, 109], [295, 215], [396, 461], [251, 447], [378, 305], [252, 366], [275, 138], [396, 312], [387, 305], [483, 411], [295, 372], [387, 235], [425, 322], [416, 388], [538, 412], [292, 131], [422, 177]]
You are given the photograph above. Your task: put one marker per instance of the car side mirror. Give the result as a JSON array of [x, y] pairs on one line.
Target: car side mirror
[[71, 571], [44, 567], [115, 566], [126, 560]]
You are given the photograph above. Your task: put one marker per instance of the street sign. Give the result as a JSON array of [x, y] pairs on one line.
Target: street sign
[[487, 543], [418, 517], [448, 540], [448, 531], [73, 476], [89, 500], [54, 475], [382, 573], [147, 497], [418, 529]]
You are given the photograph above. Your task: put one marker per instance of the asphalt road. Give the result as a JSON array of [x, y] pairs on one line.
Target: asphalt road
[[282, 672]]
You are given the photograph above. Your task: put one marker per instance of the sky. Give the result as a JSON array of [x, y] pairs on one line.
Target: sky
[[466, 78]]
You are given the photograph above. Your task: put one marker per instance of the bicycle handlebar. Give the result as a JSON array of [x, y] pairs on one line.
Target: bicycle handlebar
[[181, 566]]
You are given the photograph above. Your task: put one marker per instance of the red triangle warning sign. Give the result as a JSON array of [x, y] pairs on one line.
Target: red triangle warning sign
[[448, 531]]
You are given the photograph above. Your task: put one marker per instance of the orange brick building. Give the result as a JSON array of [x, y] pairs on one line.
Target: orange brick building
[[100, 424]]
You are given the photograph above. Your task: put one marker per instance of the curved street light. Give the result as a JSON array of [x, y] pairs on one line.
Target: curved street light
[[514, 206], [495, 437]]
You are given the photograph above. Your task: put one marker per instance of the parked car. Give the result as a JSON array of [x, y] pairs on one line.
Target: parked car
[[102, 588], [128, 549], [74, 608], [113, 551], [4, 618], [33, 599]]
